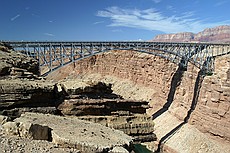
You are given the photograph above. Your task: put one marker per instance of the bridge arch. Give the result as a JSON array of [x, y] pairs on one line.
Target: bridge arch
[[57, 54], [170, 56]]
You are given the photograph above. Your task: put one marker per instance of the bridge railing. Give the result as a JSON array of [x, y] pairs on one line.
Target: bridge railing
[[54, 55]]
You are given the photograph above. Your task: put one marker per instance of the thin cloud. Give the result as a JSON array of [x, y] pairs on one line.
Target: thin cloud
[[150, 19], [116, 30], [157, 1], [15, 17], [49, 34], [35, 15], [170, 7], [221, 3], [98, 22]]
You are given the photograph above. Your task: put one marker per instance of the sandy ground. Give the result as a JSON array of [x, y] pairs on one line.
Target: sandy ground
[[186, 138]]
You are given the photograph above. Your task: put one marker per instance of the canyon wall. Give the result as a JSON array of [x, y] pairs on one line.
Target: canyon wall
[[142, 69], [218, 34], [203, 101], [212, 105]]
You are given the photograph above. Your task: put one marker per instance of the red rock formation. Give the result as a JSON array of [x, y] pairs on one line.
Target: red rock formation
[[216, 34], [95, 102], [211, 114], [178, 37]]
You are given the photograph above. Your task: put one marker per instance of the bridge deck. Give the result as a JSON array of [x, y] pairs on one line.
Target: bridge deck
[[56, 54]]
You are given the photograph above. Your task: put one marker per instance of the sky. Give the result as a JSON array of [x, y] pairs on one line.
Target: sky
[[107, 20]]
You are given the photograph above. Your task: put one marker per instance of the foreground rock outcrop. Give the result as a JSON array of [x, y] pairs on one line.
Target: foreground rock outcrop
[[96, 102], [14, 63], [21, 95], [69, 132], [23, 91]]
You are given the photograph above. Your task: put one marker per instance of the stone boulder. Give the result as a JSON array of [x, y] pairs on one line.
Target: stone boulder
[[26, 130]]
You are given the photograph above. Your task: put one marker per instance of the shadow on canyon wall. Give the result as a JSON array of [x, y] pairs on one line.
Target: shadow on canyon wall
[[176, 81], [198, 83]]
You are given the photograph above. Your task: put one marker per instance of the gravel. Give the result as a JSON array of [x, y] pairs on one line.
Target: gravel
[[13, 144]]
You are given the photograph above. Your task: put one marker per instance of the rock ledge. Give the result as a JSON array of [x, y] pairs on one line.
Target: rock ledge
[[70, 132]]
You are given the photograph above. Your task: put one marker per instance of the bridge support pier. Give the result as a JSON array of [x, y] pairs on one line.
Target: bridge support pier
[[208, 66], [183, 65]]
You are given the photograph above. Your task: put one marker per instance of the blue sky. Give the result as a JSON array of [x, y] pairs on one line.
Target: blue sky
[[101, 20]]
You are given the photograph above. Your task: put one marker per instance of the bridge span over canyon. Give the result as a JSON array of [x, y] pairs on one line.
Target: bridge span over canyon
[[55, 55]]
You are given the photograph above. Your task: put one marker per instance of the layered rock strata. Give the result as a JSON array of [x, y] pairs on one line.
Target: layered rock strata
[[212, 107], [16, 64], [21, 90], [22, 95], [98, 104], [177, 37], [218, 34], [203, 101]]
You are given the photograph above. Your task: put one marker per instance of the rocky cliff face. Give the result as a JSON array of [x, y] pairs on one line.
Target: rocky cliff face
[[203, 101], [212, 106], [96, 102], [178, 37], [16, 64], [23, 91], [216, 34]]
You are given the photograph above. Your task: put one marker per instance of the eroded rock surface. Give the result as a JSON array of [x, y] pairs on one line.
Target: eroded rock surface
[[96, 102], [68, 132], [21, 89], [21, 95], [158, 81], [14, 63], [217, 34]]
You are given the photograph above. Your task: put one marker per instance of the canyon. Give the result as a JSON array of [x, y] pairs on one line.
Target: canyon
[[185, 104], [115, 101], [82, 103]]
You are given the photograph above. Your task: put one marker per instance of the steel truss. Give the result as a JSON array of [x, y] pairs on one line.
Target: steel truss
[[57, 54]]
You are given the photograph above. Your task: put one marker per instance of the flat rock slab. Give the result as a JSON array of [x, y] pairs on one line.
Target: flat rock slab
[[82, 135]]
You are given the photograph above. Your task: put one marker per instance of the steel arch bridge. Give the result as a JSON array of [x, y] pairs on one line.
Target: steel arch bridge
[[58, 54]]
